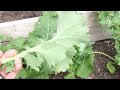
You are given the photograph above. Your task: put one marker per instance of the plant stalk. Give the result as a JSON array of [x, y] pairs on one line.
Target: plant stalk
[[22, 54], [104, 55]]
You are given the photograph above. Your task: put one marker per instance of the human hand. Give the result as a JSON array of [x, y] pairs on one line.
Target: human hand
[[17, 67]]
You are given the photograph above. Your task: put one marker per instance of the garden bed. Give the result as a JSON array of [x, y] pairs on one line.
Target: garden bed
[[106, 46], [101, 71]]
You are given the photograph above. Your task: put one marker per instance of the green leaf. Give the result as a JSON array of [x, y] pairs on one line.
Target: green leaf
[[63, 65], [33, 62], [85, 63], [10, 66], [59, 50], [70, 76], [44, 72], [5, 38], [71, 30], [56, 51], [103, 17], [53, 13], [6, 47], [84, 69], [22, 74], [47, 25], [33, 40], [2, 37], [110, 67], [18, 43]]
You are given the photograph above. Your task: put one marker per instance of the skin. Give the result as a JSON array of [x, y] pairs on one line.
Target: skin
[[17, 66]]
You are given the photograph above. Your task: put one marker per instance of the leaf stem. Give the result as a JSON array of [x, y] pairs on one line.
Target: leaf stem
[[22, 54], [104, 55]]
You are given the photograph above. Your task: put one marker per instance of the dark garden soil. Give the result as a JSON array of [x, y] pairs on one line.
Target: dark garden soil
[[105, 46], [101, 72], [6, 16]]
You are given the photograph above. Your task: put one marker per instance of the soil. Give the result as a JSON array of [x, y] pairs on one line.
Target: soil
[[58, 76], [105, 46], [6, 16], [101, 72]]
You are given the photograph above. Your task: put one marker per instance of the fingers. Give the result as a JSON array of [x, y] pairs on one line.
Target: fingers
[[11, 75], [10, 53], [18, 61], [3, 73], [7, 54], [18, 65]]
